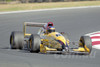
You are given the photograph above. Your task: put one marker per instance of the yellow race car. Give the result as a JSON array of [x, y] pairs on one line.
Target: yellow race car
[[47, 40]]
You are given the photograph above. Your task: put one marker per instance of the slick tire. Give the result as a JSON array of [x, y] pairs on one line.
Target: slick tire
[[87, 43], [16, 40], [34, 43]]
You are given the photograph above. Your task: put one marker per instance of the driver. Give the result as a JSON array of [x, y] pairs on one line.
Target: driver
[[50, 29]]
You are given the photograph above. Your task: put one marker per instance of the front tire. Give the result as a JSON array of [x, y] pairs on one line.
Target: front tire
[[86, 43], [34, 43]]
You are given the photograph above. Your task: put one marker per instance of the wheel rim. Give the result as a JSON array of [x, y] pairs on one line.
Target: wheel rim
[[30, 43], [81, 43], [11, 40]]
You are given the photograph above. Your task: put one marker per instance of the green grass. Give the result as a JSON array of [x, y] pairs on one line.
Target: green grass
[[8, 0], [33, 6]]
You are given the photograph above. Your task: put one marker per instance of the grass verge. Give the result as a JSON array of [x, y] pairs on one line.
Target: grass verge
[[33, 6]]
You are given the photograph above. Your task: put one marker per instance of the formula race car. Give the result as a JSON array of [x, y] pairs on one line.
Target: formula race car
[[47, 40]]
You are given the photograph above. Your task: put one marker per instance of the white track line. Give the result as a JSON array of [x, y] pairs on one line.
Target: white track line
[[89, 34], [96, 46], [48, 9]]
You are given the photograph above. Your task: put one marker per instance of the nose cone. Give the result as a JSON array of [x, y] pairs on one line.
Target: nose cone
[[61, 39], [58, 37]]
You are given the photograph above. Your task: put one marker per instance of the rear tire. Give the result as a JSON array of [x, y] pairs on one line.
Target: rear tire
[[87, 43], [16, 40], [34, 43]]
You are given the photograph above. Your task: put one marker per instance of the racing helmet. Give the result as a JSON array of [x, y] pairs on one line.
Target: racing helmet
[[50, 29]]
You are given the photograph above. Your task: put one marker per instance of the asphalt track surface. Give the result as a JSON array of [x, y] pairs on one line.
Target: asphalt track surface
[[75, 22]]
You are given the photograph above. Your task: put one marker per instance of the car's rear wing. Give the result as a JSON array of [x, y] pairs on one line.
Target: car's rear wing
[[31, 24]]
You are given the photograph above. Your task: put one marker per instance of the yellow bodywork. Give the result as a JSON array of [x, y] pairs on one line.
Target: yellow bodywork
[[44, 49], [87, 49], [49, 43], [24, 30], [80, 49]]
